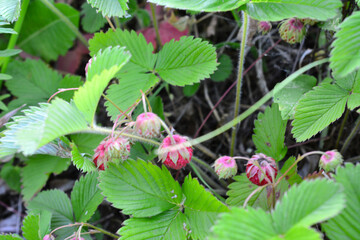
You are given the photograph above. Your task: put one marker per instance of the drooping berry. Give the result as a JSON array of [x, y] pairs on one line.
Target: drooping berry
[[48, 237], [264, 27], [292, 30], [177, 158], [308, 21], [225, 167], [330, 160], [268, 166], [148, 125], [109, 150]]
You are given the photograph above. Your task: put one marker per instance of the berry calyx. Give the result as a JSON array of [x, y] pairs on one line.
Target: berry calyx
[[264, 27], [110, 150], [225, 167], [175, 159], [308, 21], [330, 160], [268, 166], [148, 125], [292, 30]]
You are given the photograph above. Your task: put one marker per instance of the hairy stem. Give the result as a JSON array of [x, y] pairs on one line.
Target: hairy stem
[[14, 37], [101, 230], [156, 26], [239, 80], [342, 128], [66, 20]]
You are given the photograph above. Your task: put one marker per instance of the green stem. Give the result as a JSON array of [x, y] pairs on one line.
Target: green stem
[[156, 27], [73, 28], [101, 230], [107, 131], [351, 136], [239, 80], [196, 170], [14, 37], [253, 108], [342, 128]]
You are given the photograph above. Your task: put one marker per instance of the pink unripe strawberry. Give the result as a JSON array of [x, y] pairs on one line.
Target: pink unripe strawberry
[[268, 166], [264, 27], [48, 237], [110, 150], [330, 160], [177, 158], [292, 30], [148, 125], [225, 167]]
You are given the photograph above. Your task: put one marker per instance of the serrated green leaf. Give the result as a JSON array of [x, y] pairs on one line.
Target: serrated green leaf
[[289, 96], [244, 224], [127, 92], [80, 161], [308, 203], [346, 48], [43, 165], [344, 226], [101, 71], [92, 20], [31, 227], [41, 125], [140, 188], [186, 61], [269, 133], [44, 223], [10, 9], [224, 69], [351, 83], [190, 90], [171, 224], [292, 176], [141, 52], [10, 237], [201, 208], [317, 109], [58, 203], [44, 34], [37, 80], [9, 52], [110, 8], [142, 151], [276, 10], [301, 233], [86, 197], [200, 5], [240, 190]]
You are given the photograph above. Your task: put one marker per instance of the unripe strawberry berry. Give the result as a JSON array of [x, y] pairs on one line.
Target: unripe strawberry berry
[[308, 21], [264, 27], [330, 160], [292, 30], [267, 164], [148, 125], [225, 167], [175, 159], [111, 149], [48, 237]]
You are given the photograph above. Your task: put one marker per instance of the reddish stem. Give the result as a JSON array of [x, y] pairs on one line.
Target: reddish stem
[[233, 85]]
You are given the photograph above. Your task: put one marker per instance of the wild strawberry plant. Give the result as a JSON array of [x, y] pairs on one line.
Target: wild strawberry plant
[[129, 163]]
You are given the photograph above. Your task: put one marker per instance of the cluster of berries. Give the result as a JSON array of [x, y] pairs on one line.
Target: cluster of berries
[[262, 169], [291, 30], [147, 125]]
